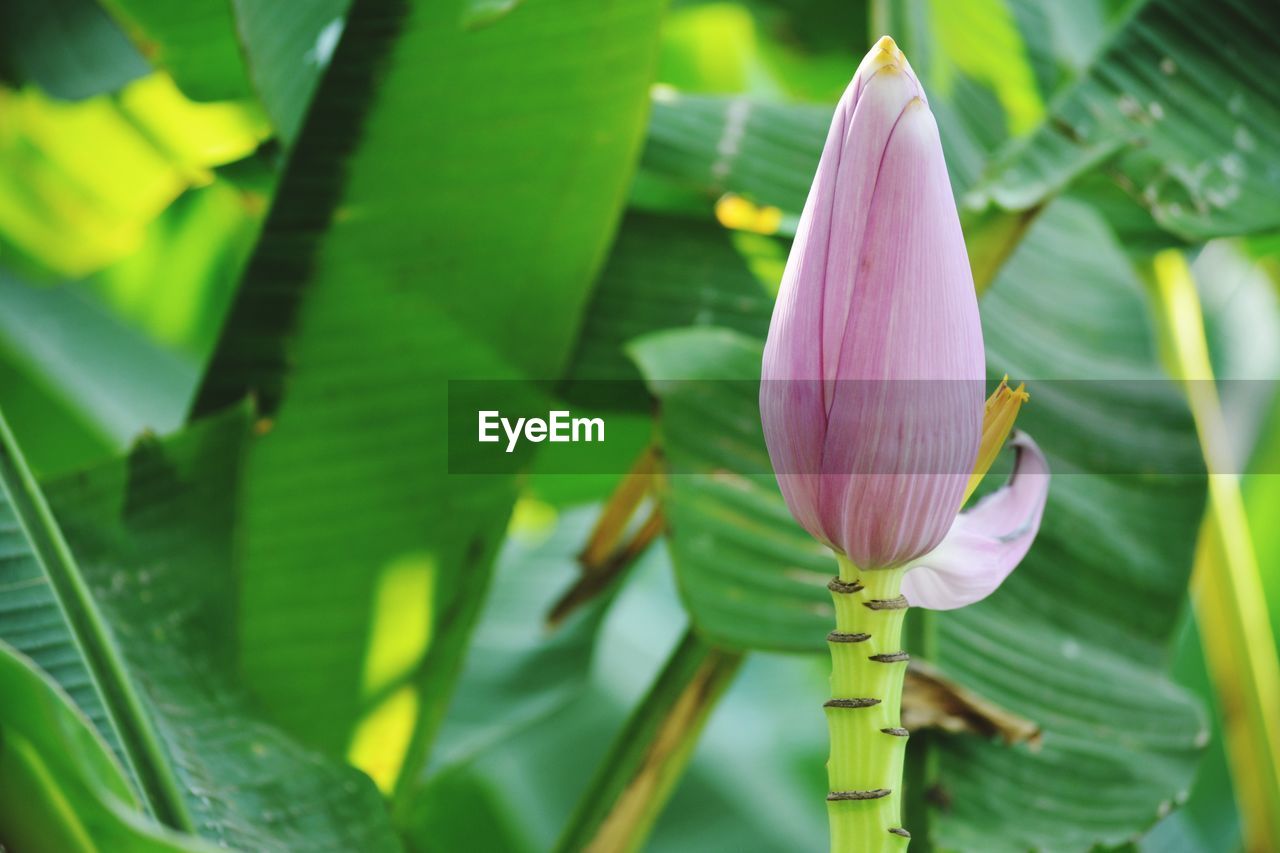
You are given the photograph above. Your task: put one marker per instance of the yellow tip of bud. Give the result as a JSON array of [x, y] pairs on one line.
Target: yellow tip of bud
[[888, 45], [885, 54], [997, 422]]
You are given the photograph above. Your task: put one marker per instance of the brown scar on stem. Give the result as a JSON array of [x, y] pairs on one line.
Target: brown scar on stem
[[896, 603], [850, 703], [874, 794], [844, 587], [890, 657], [845, 637]]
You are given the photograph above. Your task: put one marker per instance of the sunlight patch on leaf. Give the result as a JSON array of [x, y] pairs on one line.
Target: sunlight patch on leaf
[[401, 624], [532, 520], [381, 739], [981, 40], [196, 136], [64, 213]]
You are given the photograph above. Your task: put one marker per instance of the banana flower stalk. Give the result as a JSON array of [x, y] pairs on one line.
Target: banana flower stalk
[[872, 402]]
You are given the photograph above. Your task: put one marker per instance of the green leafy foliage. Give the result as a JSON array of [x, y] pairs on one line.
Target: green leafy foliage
[[708, 145], [287, 48], [1180, 95], [153, 536], [665, 272], [70, 48], [1175, 100], [701, 146], [483, 765], [144, 386], [91, 364], [62, 787], [195, 41], [44, 613], [137, 609], [388, 267], [974, 55], [481, 13], [61, 215]]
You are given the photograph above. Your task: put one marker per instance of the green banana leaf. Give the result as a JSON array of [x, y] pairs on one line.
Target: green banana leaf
[[130, 614], [407, 247], [60, 786]]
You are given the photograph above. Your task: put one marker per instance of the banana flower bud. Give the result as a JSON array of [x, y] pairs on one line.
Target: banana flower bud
[[873, 371]]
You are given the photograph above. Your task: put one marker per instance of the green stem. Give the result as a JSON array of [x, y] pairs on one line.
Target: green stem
[[864, 771], [645, 762]]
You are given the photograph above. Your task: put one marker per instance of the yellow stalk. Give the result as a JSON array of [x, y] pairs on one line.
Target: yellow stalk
[[1227, 591]]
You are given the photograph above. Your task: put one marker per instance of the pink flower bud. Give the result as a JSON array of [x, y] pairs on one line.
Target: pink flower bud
[[872, 392]]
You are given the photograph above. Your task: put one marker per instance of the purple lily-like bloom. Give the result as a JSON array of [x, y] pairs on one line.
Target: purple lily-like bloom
[[874, 368]]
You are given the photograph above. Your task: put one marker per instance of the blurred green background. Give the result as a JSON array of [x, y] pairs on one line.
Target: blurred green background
[[245, 245]]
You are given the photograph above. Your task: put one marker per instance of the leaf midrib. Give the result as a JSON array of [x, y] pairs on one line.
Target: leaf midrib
[[92, 639]]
